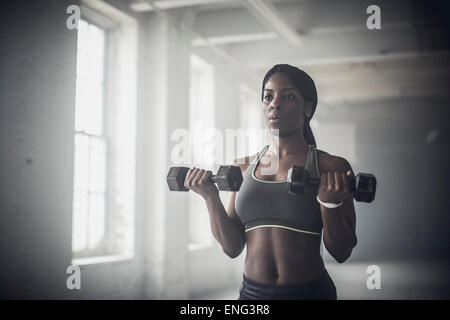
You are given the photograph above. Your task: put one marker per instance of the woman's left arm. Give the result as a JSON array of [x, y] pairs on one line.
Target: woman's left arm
[[339, 235]]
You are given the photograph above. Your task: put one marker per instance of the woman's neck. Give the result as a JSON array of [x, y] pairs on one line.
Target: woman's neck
[[292, 145]]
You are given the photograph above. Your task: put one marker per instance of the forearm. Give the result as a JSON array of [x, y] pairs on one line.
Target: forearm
[[338, 236], [226, 231]]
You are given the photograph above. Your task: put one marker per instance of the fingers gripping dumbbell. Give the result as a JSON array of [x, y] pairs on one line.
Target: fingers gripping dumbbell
[[228, 178], [363, 185]]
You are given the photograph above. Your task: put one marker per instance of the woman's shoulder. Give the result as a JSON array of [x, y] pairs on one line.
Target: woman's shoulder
[[329, 162]]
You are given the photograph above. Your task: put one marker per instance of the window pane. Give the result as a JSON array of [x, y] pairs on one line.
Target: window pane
[[79, 225], [89, 107], [96, 219], [97, 165], [89, 192], [90, 68], [81, 163]]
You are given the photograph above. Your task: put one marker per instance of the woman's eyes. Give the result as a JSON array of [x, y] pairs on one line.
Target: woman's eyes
[[289, 96]]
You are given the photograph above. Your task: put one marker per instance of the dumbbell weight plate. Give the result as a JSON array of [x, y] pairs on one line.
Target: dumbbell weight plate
[[297, 178], [365, 187], [229, 178], [175, 178], [299, 181]]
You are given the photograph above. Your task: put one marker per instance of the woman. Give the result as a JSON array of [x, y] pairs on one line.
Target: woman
[[283, 231]]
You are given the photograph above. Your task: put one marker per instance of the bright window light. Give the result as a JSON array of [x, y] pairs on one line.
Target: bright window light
[[89, 189], [201, 115]]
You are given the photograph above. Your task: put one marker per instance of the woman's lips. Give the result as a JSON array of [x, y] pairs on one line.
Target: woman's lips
[[274, 120]]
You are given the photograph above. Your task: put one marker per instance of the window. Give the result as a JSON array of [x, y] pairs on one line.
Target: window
[[201, 119], [89, 190], [105, 141]]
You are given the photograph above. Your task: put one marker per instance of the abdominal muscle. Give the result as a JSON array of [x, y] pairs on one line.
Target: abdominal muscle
[[280, 256]]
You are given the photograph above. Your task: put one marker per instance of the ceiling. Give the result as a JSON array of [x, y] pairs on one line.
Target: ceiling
[[408, 57]]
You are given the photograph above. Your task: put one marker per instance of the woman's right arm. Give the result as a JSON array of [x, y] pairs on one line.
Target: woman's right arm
[[226, 226]]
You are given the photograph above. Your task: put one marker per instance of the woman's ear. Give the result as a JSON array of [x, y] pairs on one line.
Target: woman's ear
[[308, 109]]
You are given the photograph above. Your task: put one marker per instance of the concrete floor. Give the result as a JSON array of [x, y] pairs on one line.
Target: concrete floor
[[399, 281]]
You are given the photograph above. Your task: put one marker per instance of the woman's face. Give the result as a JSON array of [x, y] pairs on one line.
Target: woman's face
[[283, 106]]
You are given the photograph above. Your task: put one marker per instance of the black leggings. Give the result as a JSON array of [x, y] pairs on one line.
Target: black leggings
[[322, 288]]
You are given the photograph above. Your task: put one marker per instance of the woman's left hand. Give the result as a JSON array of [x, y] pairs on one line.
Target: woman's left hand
[[335, 186]]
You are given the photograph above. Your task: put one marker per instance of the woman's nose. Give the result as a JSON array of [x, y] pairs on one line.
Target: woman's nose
[[276, 103]]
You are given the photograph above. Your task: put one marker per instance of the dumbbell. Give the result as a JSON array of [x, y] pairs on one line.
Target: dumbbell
[[228, 178], [363, 185]]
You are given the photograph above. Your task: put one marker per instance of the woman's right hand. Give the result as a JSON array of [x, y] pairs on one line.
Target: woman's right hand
[[199, 181]]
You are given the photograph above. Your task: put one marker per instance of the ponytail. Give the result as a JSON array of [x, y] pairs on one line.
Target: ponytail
[[308, 134]]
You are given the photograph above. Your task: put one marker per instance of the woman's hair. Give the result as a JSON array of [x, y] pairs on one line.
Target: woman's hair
[[303, 82]]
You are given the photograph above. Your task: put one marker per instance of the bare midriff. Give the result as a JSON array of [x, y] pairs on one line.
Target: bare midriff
[[280, 256]]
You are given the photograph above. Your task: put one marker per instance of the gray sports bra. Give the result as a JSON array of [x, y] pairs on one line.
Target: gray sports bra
[[262, 203]]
